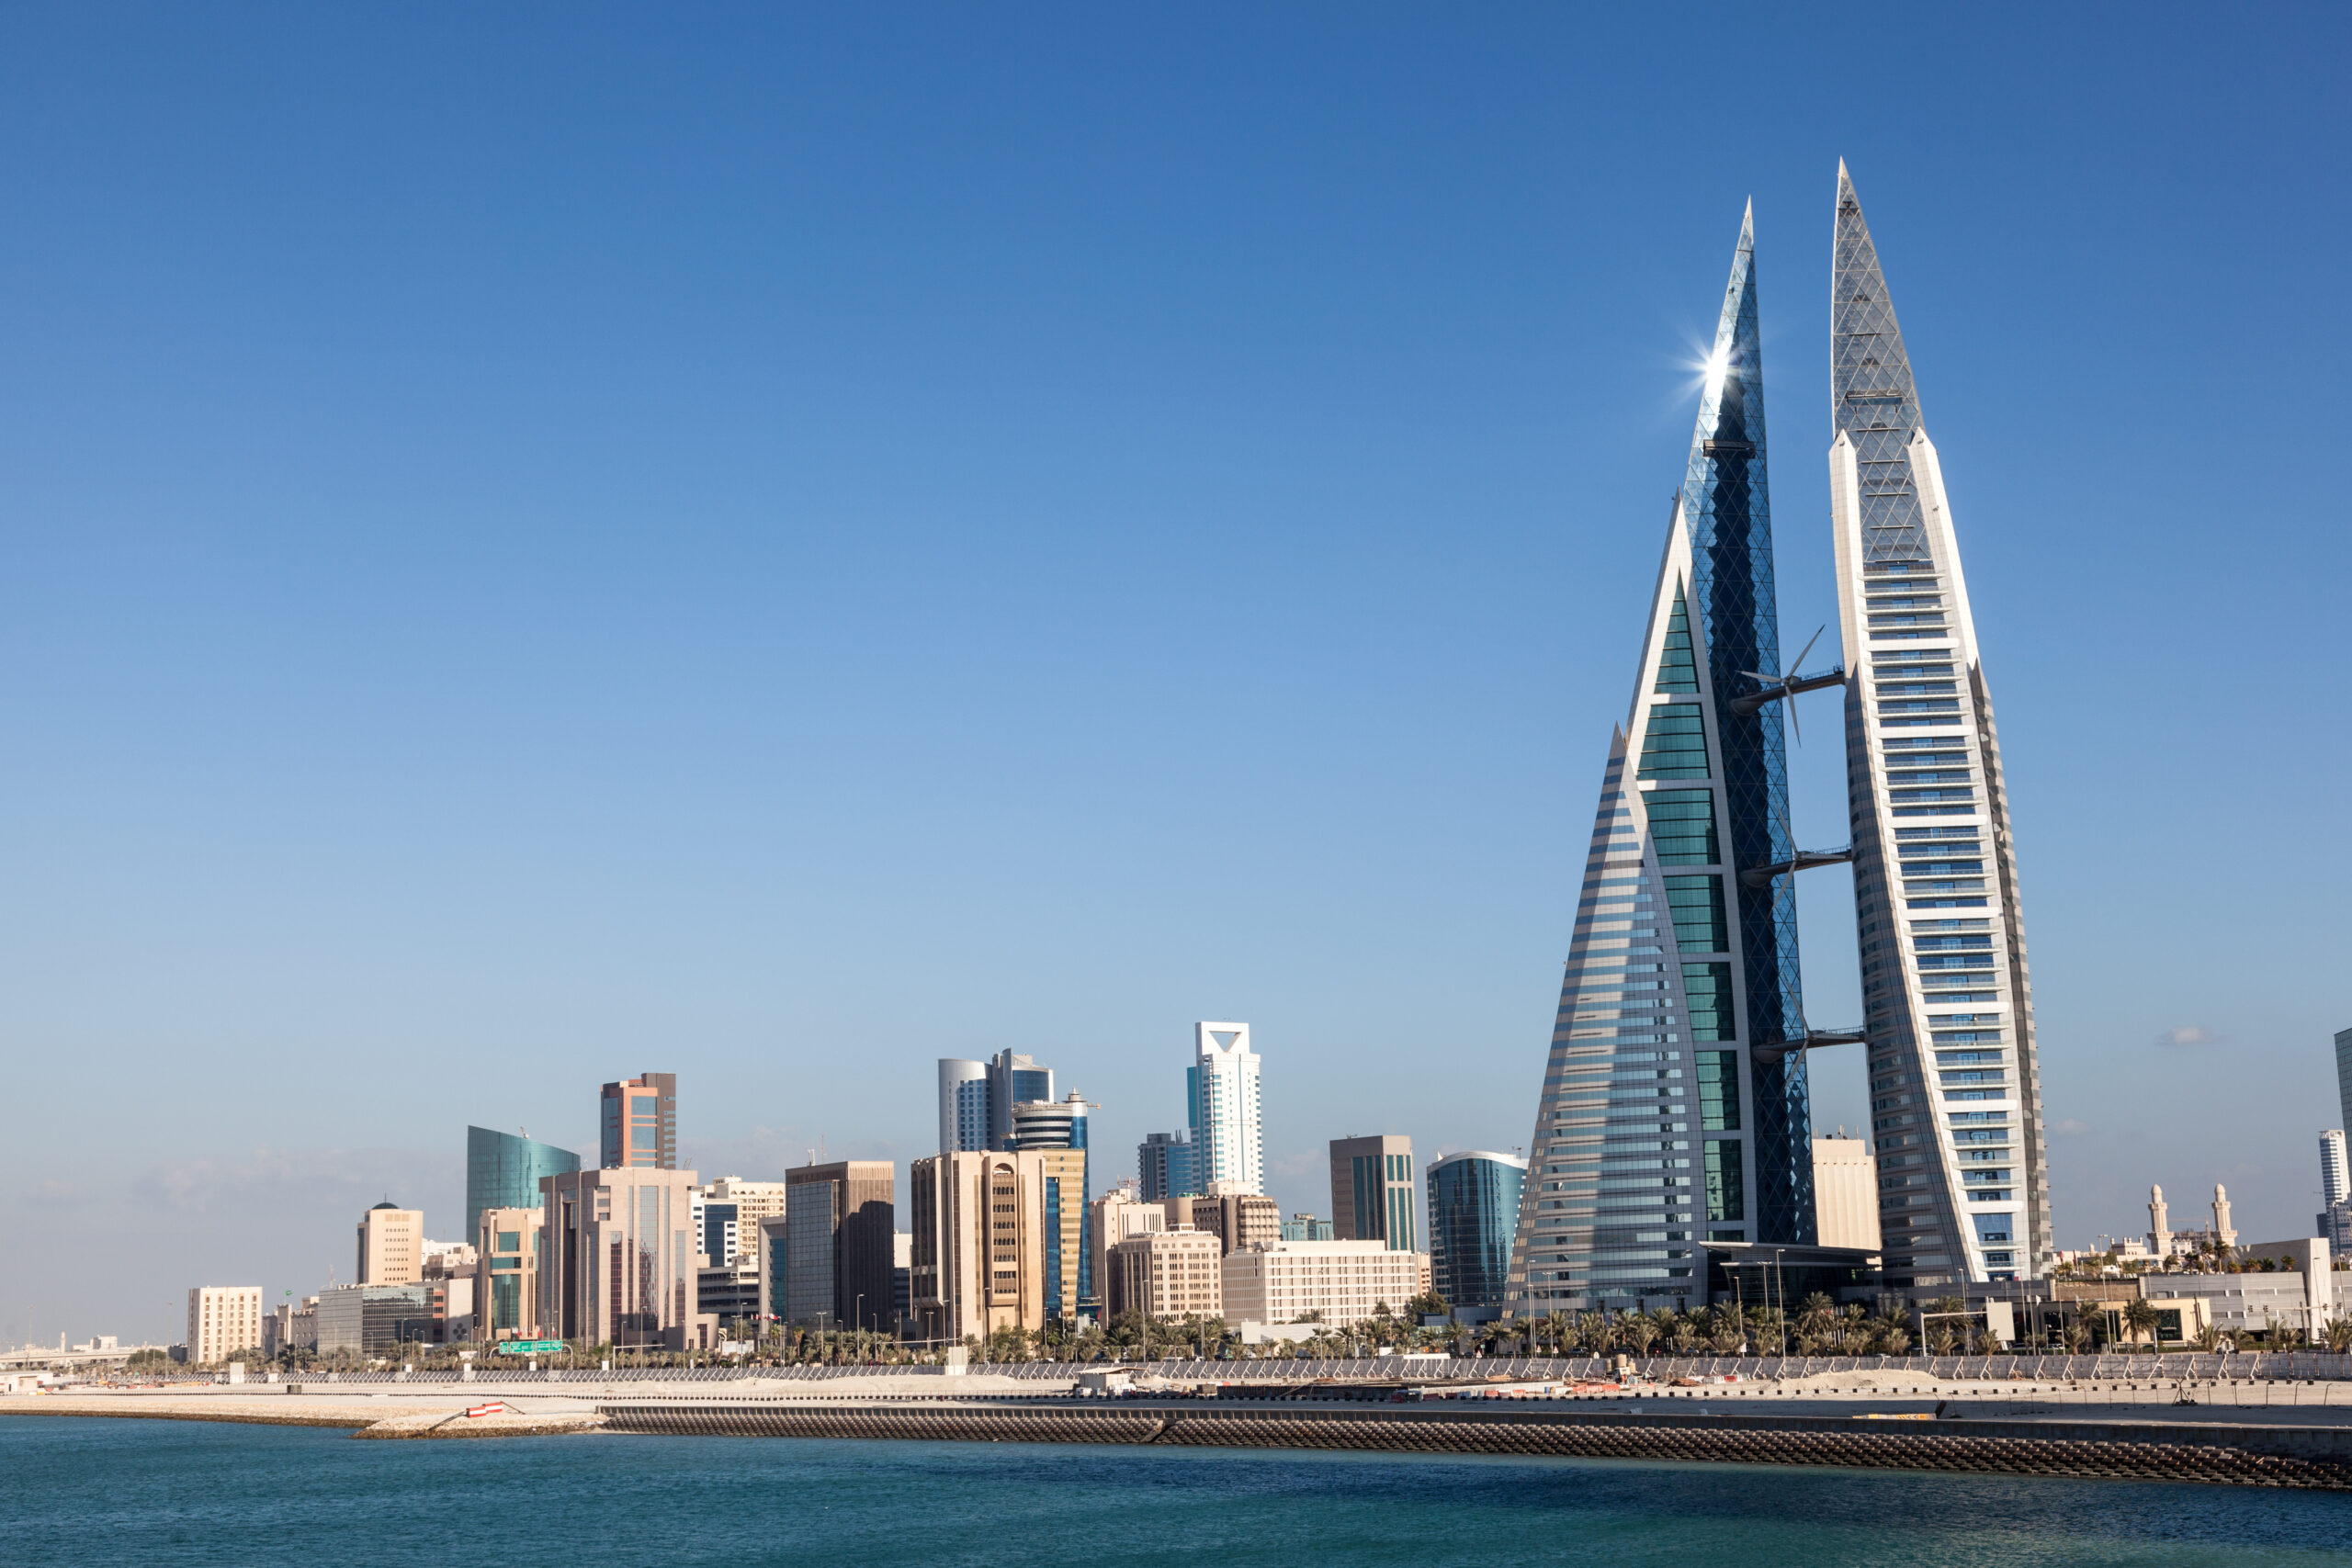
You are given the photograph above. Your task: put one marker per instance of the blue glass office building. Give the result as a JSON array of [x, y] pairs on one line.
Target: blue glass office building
[[502, 1172], [1473, 1217], [1674, 1109]]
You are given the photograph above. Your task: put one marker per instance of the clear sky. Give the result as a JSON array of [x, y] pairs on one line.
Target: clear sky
[[545, 541]]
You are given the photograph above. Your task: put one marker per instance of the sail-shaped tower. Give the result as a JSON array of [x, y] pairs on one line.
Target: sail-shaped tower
[[1672, 1111], [1955, 1090]]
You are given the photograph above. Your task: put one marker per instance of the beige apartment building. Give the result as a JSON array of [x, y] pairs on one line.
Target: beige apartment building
[[506, 1274], [1343, 1280], [753, 1201], [980, 1239], [391, 1245], [619, 1259], [1118, 1215], [1166, 1274], [1845, 1193], [221, 1321], [1237, 1219]]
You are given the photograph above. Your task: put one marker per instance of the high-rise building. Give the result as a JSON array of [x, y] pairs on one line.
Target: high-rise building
[[1474, 1218], [1059, 1126], [502, 1172], [2334, 1177], [980, 1241], [1845, 1193], [507, 1272], [1372, 1190], [1306, 1227], [222, 1320], [2343, 1073], [619, 1265], [1222, 1092], [639, 1118], [391, 1245], [1164, 1166], [1955, 1084], [963, 1106], [1674, 1106], [838, 1249], [1014, 1080]]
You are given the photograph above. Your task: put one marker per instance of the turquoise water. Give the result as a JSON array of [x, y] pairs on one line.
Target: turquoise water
[[172, 1493]]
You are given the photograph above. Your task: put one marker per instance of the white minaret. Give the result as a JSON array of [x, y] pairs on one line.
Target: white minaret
[[2159, 1231], [1227, 1143], [2222, 1231]]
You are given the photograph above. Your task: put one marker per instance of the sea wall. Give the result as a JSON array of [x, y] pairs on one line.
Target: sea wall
[[2242, 1455]]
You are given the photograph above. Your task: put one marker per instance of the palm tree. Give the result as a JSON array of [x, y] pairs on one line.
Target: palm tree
[[2139, 1316], [2337, 1334]]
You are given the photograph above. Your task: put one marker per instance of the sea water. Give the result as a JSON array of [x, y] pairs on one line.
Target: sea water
[[80, 1490]]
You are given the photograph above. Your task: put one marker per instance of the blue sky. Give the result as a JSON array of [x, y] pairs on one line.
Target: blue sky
[[779, 545]]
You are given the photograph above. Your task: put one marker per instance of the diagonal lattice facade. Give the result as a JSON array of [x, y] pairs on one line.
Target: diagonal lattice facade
[[1661, 1125], [1729, 506], [1955, 1085]]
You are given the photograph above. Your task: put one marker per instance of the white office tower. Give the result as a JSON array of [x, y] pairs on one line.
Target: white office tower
[[963, 1106], [1222, 1088], [2335, 1180], [1955, 1088]]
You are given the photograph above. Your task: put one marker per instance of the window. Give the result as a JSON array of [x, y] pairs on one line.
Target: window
[[1719, 1091], [1726, 1188], [509, 1241], [1676, 670], [1707, 987], [1699, 924], [1675, 745], [1683, 822]]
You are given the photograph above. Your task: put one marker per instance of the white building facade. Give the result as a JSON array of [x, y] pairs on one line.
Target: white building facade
[[1955, 1084], [1343, 1280], [1228, 1143]]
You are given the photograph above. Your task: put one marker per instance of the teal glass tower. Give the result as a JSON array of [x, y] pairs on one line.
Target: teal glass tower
[[502, 1172]]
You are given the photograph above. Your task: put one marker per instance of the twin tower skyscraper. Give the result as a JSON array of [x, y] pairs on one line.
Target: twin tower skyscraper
[[1675, 1110]]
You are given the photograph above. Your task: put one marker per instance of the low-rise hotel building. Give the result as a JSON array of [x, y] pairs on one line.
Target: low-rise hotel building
[[1343, 1280]]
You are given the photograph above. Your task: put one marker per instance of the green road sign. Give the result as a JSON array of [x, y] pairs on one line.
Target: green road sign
[[529, 1346]]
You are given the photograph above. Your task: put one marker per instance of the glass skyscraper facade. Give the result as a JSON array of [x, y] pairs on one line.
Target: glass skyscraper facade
[[1674, 1111], [1474, 1218], [1164, 1166], [502, 1172], [1955, 1084]]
